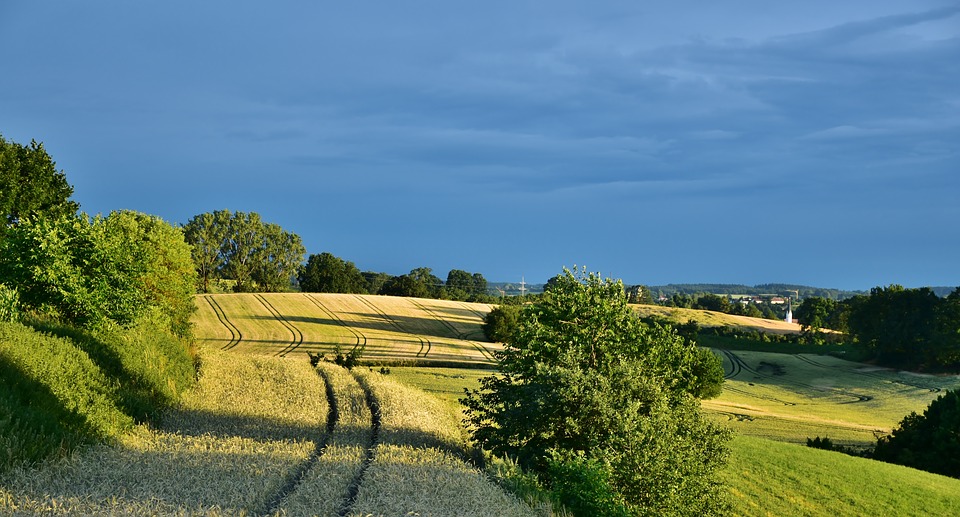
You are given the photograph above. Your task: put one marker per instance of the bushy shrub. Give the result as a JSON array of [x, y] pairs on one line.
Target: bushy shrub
[[583, 486], [9, 304], [500, 323]]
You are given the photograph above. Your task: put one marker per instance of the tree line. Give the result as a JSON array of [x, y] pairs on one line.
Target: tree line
[[912, 329], [238, 251]]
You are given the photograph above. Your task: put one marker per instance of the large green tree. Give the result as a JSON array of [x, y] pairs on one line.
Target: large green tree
[[30, 184], [897, 326], [327, 273], [584, 382], [207, 233], [418, 283], [256, 255], [462, 285]]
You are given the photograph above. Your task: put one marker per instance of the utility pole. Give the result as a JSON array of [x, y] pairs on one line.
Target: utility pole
[[523, 286]]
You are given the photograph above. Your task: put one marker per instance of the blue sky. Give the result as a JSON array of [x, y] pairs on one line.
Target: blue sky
[[730, 142]]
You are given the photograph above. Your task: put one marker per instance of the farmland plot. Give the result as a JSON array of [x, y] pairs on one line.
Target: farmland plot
[[793, 397], [386, 328]]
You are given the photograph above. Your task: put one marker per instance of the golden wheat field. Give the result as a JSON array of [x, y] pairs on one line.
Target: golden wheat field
[[274, 436], [383, 327]]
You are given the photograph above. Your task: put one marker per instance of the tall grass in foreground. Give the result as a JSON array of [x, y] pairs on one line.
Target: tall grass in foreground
[[768, 478], [227, 449]]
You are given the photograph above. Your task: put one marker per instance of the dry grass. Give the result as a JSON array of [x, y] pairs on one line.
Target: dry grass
[[419, 467]]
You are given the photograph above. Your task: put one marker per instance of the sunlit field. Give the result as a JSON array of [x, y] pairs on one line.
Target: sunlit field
[[274, 436], [390, 329]]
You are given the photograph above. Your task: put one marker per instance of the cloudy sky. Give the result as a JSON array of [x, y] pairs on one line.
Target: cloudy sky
[[749, 141]]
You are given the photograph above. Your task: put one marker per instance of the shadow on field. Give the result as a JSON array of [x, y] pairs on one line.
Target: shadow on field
[[36, 423], [207, 423], [430, 327]]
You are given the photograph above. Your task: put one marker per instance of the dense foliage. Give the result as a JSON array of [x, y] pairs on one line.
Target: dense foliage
[[30, 184], [239, 246], [94, 314], [929, 441], [907, 328], [589, 392], [327, 273], [500, 323], [86, 271]]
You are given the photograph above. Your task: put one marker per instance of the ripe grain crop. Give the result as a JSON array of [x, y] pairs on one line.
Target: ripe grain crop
[[227, 449], [420, 466], [323, 490], [388, 329]]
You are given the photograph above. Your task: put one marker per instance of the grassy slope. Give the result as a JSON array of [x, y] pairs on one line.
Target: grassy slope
[[717, 319], [768, 478], [249, 430]]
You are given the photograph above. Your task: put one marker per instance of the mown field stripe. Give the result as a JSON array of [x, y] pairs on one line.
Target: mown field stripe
[[375, 424], [294, 331], [235, 335]]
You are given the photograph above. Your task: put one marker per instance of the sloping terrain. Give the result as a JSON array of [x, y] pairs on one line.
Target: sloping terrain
[[274, 436], [385, 328]]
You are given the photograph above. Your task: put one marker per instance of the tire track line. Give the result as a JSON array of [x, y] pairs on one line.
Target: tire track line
[[743, 365], [460, 335], [425, 344], [294, 331], [333, 417], [376, 422], [235, 335], [361, 339]]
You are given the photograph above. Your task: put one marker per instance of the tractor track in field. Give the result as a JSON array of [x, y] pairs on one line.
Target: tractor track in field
[[425, 344], [459, 335], [376, 423], [361, 339], [740, 365], [293, 482], [869, 375], [235, 335], [482, 316], [294, 331]]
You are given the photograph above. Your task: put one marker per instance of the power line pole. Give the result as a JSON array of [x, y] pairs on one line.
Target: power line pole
[[523, 284]]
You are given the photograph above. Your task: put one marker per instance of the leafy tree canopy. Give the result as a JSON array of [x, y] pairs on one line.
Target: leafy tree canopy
[[585, 382], [240, 246], [30, 184], [114, 268], [327, 273]]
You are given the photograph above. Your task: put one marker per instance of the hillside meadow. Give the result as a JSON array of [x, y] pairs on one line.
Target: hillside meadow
[[264, 432]]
